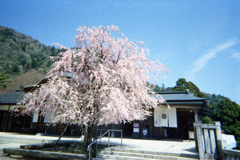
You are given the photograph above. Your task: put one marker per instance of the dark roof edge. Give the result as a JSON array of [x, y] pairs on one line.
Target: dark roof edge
[[42, 80], [34, 85], [197, 99], [8, 103], [173, 92]]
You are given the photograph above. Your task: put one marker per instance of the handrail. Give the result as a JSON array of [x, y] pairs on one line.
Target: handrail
[[108, 131], [97, 139], [230, 153]]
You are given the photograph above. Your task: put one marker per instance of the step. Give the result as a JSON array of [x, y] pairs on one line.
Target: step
[[139, 156], [102, 159], [131, 154], [142, 157], [118, 149]]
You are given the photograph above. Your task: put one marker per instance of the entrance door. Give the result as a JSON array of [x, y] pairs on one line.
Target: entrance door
[[185, 122], [10, 121], [18, 122], [128, 129], [3, 119]]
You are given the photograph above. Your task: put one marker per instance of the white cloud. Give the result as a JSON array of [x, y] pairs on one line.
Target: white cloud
[[235, 56], [210, 54]]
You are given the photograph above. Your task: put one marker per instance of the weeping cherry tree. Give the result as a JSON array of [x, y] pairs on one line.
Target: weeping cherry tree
[[107, 82]]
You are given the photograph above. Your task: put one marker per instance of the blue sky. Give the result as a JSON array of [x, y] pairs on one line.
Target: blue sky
[[196, 40]]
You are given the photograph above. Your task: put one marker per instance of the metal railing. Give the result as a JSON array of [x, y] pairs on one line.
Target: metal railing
[[95, 141], [231, 154]]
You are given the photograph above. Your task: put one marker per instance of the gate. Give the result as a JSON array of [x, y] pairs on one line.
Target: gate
[[208, 140]]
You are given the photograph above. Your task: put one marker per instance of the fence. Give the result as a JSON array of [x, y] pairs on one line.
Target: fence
[[229, 154], [209, 140], [209, 143]]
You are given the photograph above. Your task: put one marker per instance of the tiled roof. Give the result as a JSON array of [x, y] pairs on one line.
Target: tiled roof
[[181, 97], [11, 98], [30, 88]]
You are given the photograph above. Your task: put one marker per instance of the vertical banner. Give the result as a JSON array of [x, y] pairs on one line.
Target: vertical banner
[[164, 117], [172, 117], [157, 117], [35, 117], [160, 117]]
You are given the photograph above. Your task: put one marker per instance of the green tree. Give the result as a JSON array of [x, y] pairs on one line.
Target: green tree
[[195, 90], [206, 120], [227, 112], [15, 68], [183, 85], [3, 79], [6, 32], [53, 52]]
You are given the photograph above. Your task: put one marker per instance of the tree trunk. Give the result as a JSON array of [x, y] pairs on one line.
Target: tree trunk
[[88, 139], [55, 148], [45, 133], [85, 138], [95, 138], [89, 135]]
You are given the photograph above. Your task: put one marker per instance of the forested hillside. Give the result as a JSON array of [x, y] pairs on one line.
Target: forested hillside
[[20, 53], [23, 60]]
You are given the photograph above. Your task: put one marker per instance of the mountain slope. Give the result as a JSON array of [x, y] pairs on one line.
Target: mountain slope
[[20, 53]]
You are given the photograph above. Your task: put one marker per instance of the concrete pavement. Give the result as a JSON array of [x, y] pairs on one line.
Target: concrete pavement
[[9, 139]]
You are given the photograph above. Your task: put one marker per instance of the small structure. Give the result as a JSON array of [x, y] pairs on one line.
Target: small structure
[[229, 141], [9, 121], [174, 122]]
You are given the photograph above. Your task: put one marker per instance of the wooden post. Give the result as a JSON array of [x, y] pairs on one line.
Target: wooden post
[[5, 127], [208, 153], [112, 134], [213, 142], [196, 115], [207, 141], [13, 117], [151, 120], [218, 134], [24, 122], [200, 140], [39, 118], [195, 131], [195, 136]]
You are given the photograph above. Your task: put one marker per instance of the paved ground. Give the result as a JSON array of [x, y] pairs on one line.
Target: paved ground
[[175, 146], [161, 145]]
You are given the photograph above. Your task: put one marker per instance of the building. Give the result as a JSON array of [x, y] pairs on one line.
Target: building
[[175, 122], [9, 120]]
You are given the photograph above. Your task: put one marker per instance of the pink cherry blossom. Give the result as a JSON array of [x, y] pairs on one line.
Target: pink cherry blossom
[[100, 81]]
